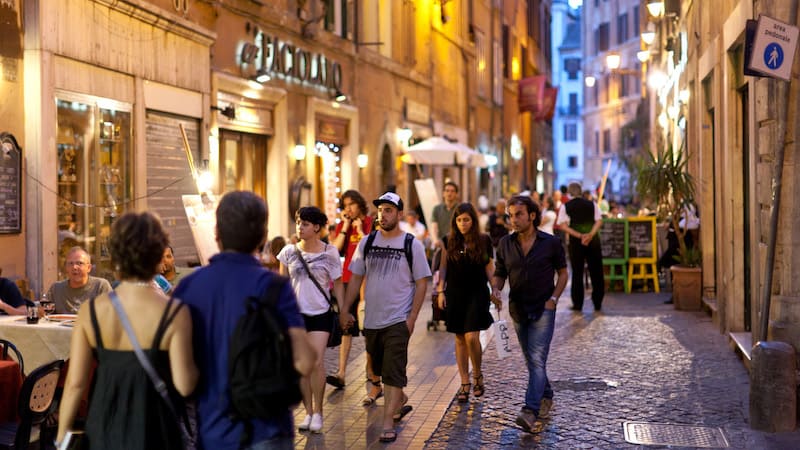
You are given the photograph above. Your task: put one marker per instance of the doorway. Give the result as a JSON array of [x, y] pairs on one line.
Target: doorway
[[243, 162]]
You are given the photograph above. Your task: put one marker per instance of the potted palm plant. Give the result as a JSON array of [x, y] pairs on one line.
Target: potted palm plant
[[664, 178]]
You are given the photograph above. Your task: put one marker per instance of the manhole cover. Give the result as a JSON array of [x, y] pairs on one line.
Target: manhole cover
[[672, 434]]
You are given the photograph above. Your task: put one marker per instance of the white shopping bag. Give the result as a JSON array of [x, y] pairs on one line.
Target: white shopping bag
[[501, 338]]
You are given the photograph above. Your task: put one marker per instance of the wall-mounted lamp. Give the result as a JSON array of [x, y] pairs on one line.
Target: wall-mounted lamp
[[649, 34], [613, 61], [299, 152], [683, 96], [262, 76], [655, 7], [363, 160], [590, 81], [228, 111], [643, 55], [339, 96]]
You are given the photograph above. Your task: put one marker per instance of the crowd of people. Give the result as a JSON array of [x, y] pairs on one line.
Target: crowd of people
[[375, 271]]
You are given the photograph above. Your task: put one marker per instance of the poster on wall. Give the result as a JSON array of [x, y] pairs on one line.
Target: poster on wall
[[201, 213], [10, 185]]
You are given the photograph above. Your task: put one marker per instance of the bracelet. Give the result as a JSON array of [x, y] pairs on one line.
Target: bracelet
[[554, 299]]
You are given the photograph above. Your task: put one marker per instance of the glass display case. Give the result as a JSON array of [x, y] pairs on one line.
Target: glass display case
[[94, 176]]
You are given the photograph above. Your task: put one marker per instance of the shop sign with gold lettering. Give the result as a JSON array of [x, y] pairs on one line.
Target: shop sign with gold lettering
[[268, 54]]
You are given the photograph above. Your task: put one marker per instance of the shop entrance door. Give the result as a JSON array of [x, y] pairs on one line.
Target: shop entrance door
[[243, 162]]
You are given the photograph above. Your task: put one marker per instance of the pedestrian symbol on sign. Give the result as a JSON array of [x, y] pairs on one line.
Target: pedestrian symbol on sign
[[773, 55]]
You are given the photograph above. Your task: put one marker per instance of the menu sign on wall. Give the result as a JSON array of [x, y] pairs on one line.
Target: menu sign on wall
[[10, 185]]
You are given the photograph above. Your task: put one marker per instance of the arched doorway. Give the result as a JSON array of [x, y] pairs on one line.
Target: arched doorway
[[388, 172]]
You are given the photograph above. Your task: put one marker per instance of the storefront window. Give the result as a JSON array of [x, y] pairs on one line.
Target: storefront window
[[243, 162], [95, 183]]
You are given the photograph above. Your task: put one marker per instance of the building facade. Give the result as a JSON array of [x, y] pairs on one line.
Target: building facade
[[612, 129], [132, 105], [568, 75], [733, 128]]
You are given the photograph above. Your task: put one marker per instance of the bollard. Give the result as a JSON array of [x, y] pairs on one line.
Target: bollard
[[773, 387]]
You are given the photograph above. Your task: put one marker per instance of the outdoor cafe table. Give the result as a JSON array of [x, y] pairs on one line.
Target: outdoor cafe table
[[39, 343]]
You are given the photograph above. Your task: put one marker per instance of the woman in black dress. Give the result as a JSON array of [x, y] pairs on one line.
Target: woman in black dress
[[463, 293], [125, 410]]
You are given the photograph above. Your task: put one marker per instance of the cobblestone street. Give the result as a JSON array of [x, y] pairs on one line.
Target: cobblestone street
[[639, 360]]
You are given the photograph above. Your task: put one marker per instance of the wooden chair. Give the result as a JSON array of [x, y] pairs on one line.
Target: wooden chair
[[8, 351], [36, 397], [25, 289]]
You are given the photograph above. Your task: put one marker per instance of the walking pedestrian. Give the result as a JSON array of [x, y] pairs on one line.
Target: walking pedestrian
[[395, 284], [218, 296], [498, 222], [354, 224], [581, 219], [467, 265], [323, 264], [530, 260], [443, 212], [164, 328]]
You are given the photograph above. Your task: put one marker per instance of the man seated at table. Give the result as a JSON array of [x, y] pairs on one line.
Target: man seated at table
[[168, 269], [11, 301], [79, 286]]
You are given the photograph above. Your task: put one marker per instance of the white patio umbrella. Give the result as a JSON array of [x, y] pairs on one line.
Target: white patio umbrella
[[439, 151]]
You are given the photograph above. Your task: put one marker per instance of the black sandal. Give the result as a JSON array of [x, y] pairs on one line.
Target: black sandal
[[479, 388], [369, 400], [463, 394]]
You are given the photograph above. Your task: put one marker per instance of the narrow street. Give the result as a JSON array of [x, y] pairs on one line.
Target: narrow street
[[638, 361]]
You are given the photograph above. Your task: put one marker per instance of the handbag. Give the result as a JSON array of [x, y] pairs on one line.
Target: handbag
[[335, 336], [160, 385]]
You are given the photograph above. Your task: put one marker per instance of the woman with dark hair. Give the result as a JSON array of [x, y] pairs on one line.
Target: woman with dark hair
[[163, 328], [463, 293], [321, 262]]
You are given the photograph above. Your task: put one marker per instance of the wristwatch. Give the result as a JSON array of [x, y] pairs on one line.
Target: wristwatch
[[554, 299]]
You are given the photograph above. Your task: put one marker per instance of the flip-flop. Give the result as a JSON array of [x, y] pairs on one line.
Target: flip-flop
[[402, 412], [335, 381], [389, 435]]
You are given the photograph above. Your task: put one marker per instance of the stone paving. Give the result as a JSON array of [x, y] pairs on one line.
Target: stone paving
[[639, 360]]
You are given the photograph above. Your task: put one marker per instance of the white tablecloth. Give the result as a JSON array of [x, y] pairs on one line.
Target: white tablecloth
[[40, 343]]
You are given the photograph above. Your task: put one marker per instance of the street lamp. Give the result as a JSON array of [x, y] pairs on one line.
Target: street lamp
[[655, 7], [613, 60], [590, 81]]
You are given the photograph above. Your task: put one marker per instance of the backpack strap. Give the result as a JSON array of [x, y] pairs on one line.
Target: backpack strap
[[370, 241], [409, 253]]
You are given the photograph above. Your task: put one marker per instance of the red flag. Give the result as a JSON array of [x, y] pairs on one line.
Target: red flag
[[548, 104], [531, 93]]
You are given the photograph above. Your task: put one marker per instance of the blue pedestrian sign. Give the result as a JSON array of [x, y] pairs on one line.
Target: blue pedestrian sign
[[773, 56], [773, 48]]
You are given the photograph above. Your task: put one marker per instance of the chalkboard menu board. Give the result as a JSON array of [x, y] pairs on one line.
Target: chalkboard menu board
[[641, 238], [10, 185], [614, 240]]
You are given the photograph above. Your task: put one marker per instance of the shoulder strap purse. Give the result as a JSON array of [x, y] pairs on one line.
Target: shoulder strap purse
[[335, 336], [158, 383]]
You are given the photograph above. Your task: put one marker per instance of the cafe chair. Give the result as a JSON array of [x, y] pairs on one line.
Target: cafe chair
[[35, 399], [7, 348]]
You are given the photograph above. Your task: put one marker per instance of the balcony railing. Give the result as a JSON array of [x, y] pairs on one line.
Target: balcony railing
[[573, 110]]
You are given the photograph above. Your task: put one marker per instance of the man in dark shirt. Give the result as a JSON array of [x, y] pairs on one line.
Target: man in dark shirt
[[11, 301], [581, 220], [530, 259]]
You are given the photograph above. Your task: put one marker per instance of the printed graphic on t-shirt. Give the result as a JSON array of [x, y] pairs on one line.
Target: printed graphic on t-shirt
[[384, 262]]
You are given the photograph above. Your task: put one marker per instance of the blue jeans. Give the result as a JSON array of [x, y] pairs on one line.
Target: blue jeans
[[534, 339], [276, 443]]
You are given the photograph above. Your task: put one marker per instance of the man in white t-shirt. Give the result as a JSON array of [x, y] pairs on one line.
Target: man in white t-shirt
[[394, 290]]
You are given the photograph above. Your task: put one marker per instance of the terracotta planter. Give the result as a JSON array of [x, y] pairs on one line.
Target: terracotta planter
[[687, 287]]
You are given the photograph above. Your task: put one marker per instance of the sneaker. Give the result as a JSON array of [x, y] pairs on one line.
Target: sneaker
[[305, 423], [316, 423], [527, 421], [544, 409]]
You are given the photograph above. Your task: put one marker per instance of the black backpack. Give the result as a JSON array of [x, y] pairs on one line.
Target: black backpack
[[409, 241], [263, 382]]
